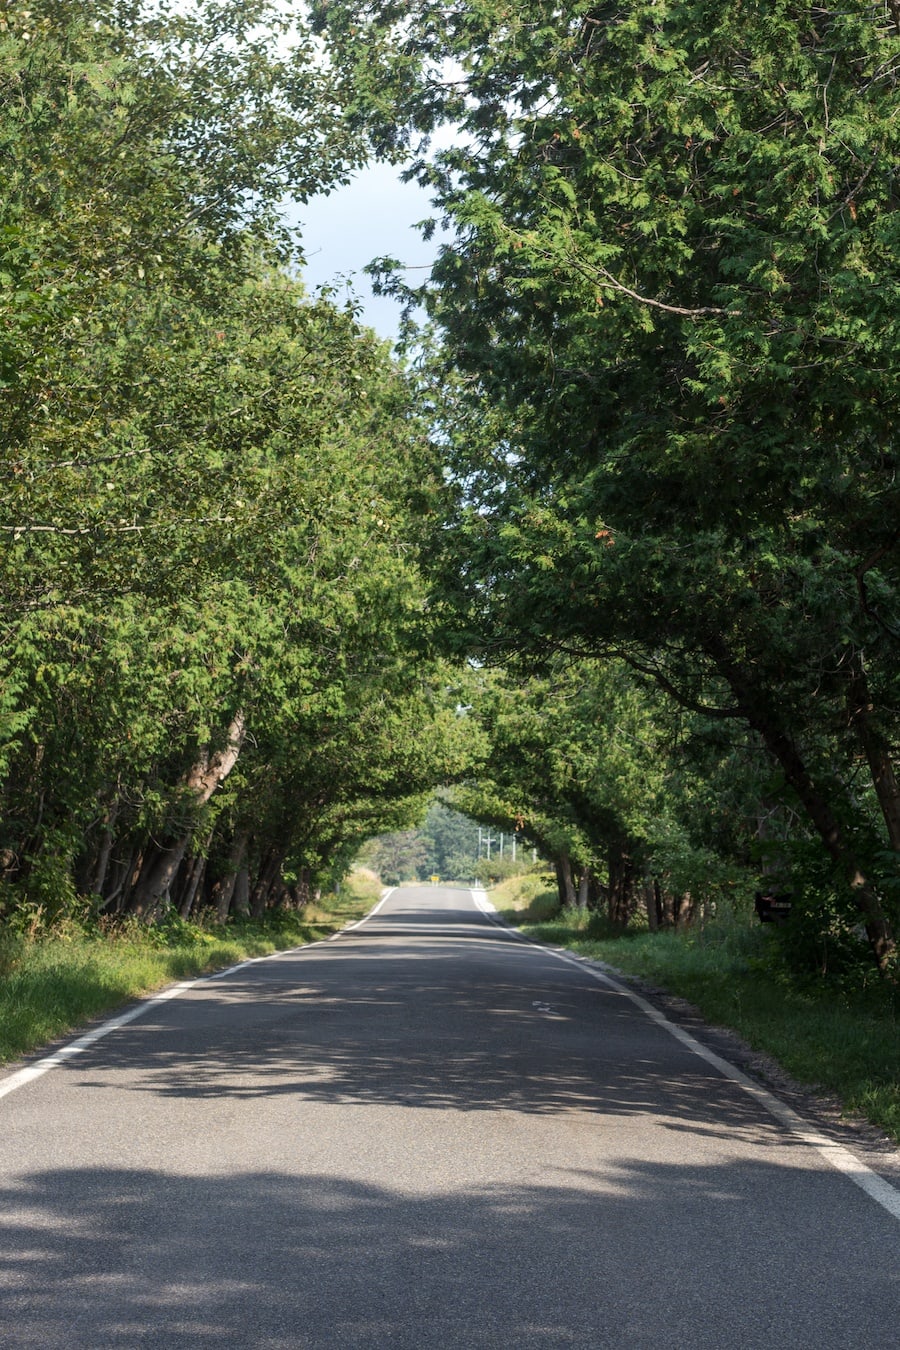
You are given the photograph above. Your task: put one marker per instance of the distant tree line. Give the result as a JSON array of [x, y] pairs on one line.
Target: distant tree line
[[445, 844]]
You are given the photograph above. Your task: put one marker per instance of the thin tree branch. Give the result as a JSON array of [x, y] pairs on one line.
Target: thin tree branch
[[685, 312], [115, 529], [23, 466], [600, 276]]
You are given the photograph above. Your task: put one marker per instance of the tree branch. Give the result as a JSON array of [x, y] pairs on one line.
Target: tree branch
[[115, 529], [599, 276], [608, 279]]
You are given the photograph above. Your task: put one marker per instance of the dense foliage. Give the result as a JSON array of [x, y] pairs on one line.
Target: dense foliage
[[213, 485], [643, 476], [670, 307], [641, 809]]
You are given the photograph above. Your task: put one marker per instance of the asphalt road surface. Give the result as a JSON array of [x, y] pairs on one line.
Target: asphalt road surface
[[426, 1133]]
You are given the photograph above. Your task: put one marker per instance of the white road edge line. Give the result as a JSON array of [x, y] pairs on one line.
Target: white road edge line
[[77, 1047], [879, 1190], [366, 917]]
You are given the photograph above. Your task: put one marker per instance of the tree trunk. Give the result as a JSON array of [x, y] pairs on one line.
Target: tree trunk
[[241, 900], [303, 888], [565, 881], [683, 909], [878, 929], [118, 876], [620, 904], [131, 878], [211, 770], [223, 891], [662, 915], [878, 753], [98, 881], [651, 901], [157, 876], [195, 876], [193, 879], [201, 781], [584, 888], [784, 751], [269, 874]]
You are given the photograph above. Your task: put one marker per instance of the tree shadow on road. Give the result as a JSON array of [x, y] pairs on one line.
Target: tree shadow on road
[[640, 1255], [420, 1028]]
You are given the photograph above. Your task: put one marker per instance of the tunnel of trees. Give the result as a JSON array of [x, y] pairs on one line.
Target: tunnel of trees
[[612, 554]]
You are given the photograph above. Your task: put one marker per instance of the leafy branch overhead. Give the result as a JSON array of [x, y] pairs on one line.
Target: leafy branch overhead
[[212, 483], [672, 291], [618, 548]]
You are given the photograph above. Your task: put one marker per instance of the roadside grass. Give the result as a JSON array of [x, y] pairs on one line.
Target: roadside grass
[[831, 1036], [530, 897], [52, 983]]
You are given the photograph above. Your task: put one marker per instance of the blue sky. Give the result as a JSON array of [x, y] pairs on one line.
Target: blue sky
[[371, 217]]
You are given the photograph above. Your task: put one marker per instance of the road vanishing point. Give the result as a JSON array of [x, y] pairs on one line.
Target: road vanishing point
[[426, 1133]]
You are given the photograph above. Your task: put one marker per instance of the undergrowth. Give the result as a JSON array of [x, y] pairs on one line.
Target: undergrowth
[[530, 897]]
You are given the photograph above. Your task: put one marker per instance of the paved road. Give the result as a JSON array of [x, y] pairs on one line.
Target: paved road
[[424, 1134]]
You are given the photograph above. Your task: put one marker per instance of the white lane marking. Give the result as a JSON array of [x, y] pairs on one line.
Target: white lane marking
[[77, 1047], [220, 974], [366, 917], [879, 1190]]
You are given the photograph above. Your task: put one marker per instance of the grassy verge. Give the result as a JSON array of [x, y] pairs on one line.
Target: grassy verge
[[843, 1041], [528, 898], [51, 984]]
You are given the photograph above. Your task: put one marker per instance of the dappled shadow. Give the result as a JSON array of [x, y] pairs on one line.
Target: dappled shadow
[[470, 1023], [640, 1256], [471, 1053], [408, 925], [425, 1134]]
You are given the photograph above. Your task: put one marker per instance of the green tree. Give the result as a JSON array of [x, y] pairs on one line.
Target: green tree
[[398, 857], [291, 620], [452, 838], [674, 282], [210, 588], [635, 802]]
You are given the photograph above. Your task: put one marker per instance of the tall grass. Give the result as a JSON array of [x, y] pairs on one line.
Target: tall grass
[[53, 981], [528, 897]]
